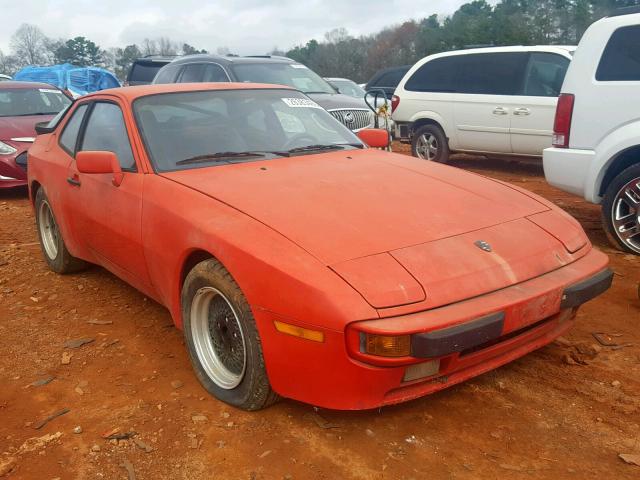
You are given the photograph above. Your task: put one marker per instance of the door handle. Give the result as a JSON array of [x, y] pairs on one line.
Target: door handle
[[500, 111], [522, 111], [73, 181]]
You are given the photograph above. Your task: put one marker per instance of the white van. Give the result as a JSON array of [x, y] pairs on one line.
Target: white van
[[596, 151], [499, 100]]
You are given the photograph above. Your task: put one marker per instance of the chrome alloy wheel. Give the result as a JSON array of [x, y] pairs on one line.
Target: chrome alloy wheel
[[218, 338], [427, 146], [625, 214], [48, 230]]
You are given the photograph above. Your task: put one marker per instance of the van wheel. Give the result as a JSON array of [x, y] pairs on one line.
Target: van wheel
[[222, 338], [621, 210], [51, 242], [430, 143]]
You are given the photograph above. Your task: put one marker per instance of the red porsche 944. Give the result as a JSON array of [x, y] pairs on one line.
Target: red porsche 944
[[298, 261]]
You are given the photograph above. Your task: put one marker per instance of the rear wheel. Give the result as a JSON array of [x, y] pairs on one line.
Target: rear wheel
[[222, 338], [52, 244], [621, 210], [430, 143]]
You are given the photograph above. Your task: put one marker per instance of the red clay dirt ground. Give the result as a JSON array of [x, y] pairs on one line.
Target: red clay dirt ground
[[536, 418]]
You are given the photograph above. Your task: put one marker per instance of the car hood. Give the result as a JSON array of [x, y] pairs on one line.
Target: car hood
[[20, 127], [335, 101], [350, 204]]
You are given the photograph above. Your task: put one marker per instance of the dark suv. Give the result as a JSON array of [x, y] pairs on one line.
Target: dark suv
[[143, 70], [351, 112], [387, 80]]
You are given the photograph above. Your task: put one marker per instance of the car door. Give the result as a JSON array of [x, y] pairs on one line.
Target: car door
[[487, 85], [111, 215], [532, 117]]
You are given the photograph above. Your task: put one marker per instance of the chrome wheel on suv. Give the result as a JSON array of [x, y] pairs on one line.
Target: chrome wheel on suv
[[427, 146], [621, 210], [625, 214]]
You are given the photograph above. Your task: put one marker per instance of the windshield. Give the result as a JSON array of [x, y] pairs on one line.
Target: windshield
[[348, 88], [194, 129], [294, 75], [20, 102]]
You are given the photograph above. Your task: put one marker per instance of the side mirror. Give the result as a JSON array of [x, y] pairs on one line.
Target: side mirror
[[43, 128], [93, 162], [374, 137]]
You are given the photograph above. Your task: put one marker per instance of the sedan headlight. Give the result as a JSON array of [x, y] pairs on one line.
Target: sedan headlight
[[6, 149]]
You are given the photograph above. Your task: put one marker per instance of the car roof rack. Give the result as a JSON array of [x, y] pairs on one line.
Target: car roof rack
[[277, 57], [618, 12]]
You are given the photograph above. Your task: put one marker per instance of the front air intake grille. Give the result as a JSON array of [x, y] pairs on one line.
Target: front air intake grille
[[21, 161], [354, 118]]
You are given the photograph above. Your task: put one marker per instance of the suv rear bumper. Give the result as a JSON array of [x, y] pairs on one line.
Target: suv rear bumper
[[568, 169]]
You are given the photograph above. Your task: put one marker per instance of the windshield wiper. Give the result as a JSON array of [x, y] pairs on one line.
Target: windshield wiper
[[34, 114], [312, 148], [218, 156]]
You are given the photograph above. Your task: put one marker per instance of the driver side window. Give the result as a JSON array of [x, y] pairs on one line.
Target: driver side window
[[106, 131]]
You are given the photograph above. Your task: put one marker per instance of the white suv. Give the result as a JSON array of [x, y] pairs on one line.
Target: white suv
[[491, 100], [596, 151]]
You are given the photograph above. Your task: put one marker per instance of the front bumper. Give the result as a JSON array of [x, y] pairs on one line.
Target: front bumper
[[337, 374], [568, 169]]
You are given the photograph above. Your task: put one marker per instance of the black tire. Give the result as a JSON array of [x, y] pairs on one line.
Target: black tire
[[253, 392], [426, 134], [613, 206], [59, 259]]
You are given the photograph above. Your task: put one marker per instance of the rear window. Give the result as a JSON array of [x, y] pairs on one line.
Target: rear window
[[620, 61], [144, 72]]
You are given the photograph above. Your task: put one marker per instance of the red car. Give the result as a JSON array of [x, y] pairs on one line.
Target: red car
[[22, 105], [298, 261]]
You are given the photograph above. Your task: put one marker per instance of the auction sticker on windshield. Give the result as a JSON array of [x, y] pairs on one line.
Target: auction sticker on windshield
[[301, 103]]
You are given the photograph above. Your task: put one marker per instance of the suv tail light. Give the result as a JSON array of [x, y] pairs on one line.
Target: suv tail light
[[562, 124], [395, 101]]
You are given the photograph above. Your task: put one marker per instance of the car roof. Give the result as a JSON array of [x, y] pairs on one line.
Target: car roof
[[15, 85], [338, 79], [231, 59], [156, 58], [131, 93], [512, 48]]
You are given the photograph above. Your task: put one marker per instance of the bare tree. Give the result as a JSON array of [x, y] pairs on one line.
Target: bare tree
[[30, 45], [149, 47], [8, 64], [223, 51], [167, 47]]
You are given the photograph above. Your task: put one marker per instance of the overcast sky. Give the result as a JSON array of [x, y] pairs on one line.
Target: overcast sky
[[245, 27]]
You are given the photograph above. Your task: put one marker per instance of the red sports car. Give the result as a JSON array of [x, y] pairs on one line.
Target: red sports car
[[22, 105], [298, 261]]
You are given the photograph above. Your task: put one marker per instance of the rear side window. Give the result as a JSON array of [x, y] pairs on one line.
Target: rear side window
[[491, 73], [69, 135], [545, 74], [214, 73], [438, 75], [166, 75], [480, 73], [620, 61], [106, 131], [192, 73]]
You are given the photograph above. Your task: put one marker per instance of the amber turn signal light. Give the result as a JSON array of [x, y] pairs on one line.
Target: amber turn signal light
[[296, 331], [385, 346]]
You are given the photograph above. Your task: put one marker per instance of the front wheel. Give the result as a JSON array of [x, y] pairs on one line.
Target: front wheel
[[430, 143], [222, 338], [621, 210], [52, 244]]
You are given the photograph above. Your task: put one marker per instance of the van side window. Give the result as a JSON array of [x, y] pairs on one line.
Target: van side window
[[545, 74], [620, 61], [69, 136], [434, 76], [491, 73]]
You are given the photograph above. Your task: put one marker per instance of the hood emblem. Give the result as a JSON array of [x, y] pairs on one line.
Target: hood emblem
[[482, 245], [348, 117]]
